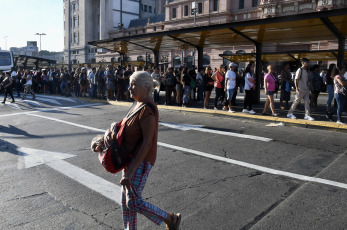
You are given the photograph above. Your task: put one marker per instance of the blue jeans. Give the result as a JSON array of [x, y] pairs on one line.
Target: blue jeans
[[64, 85], [230, 94], [92, 91], [340, 99], [330, 90], [155, 96], [200, 92], [186, 95]]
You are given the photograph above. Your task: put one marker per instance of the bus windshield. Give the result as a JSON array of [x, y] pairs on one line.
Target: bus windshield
[[5, 59]]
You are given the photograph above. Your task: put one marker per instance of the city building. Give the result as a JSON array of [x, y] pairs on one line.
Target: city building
[[93, 20], [30, 49], [180, 14]]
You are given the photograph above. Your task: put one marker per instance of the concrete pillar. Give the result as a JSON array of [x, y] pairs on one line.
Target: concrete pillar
[[102, 19], [156, 57]]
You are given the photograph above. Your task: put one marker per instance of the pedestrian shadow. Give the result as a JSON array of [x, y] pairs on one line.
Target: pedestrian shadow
[[8, 147], [16, 131]]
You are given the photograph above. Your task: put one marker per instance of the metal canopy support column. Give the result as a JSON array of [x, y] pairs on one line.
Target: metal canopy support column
[[258, 62], [340, 38], [122, 59], [156, 57], [25, 63], [200, 57], [258, 68]]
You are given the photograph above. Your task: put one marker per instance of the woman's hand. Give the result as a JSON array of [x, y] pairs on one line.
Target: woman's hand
[[125, 181], [108, 137]]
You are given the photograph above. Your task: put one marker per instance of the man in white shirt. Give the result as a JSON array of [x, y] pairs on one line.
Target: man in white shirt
[[302, 90], [91, 77], [230, 84]]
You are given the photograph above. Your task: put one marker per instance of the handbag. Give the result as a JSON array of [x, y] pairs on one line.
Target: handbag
[[287, 89]]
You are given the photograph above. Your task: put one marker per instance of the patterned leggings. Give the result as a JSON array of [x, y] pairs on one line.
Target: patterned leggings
[[132, 202], [27, 89]]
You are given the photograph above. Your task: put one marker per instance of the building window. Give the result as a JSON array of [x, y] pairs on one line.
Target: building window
[[150, 9], [154, 28], [154, 10], [176, 62], [242, 4], [254, 3], [141, 7], [75, 22], [206, 60], [74, 6], [145, 8], [186, 10], [75, 37], [174, 13], [215, 5], [200, 8]]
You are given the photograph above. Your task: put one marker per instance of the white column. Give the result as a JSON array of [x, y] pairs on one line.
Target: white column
[[102, 19]]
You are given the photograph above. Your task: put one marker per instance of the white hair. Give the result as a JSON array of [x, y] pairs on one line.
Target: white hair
[[144, 79]]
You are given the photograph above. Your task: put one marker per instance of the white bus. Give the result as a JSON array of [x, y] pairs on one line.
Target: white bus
[[6, 60]]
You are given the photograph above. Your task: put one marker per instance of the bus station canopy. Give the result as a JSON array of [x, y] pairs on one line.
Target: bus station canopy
[[30, 61], [320, 55], [314, 26]]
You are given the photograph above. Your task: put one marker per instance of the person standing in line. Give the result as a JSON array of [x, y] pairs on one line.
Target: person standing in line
[[270, 90], [315, 86], [208, 82], [186, 86], [250, 86], [219, 84], [141, 130], [17, 82], [64, 82], [330, 88], [179, 87], [200, 84], [339, 82], [285, 86], [302, 90], [7, 84], [28, 84], [230, 84], [83, 82], [100, 81], [169, 80], [92, 85]]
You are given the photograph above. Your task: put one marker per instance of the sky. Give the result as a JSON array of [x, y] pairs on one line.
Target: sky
[[20, 20]]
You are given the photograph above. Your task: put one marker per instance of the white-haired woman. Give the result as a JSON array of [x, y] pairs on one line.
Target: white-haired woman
[[141, 131]]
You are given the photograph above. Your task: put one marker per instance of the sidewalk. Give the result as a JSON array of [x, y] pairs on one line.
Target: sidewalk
[[321, 122]]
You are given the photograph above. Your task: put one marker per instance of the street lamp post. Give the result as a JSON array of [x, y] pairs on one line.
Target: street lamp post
[[40, 40]]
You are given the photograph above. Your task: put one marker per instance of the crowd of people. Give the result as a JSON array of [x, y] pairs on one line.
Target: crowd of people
[[185, 86]]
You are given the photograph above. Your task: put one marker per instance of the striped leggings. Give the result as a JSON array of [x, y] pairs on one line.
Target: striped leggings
[[132, 202]]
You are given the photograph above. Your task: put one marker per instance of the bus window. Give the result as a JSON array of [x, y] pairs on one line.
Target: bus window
[[6, 60]]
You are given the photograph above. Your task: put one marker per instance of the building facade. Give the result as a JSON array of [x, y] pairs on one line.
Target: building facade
[[90, 20]]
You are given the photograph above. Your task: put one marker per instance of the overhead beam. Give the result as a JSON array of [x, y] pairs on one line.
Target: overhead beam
[[292, 57], [183, 41], [145, 47], [244, 36]]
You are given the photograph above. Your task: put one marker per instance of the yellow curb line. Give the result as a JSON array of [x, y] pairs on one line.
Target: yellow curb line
[[243, 115]]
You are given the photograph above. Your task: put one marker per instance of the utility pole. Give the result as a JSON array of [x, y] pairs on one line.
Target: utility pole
[[69, 37]]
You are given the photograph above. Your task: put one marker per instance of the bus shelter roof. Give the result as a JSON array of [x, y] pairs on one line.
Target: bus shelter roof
[[319, 55], [30, 61], [315, 26]]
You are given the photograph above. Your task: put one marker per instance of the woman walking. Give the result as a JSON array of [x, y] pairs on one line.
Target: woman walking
[[27, 87], [330, 88], [270, 89], [7, 84], [141, 128], [208, 82]]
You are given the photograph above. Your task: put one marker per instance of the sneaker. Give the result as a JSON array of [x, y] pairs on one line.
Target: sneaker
[[252, 112], [224, 109], [309, 118], [275, 114], [245, 111], [13, 101], [291, 116], [231, 111], [3, 102], [341, 122]]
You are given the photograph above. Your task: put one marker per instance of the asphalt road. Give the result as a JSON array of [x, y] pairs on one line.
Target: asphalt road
[[215, 177]]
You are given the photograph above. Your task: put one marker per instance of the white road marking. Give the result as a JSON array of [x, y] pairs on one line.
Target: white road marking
[[60, 98], [48, 110], [13, 105], [31, 102], [186, 127], [53, 101], [231, 161], [34, 157]]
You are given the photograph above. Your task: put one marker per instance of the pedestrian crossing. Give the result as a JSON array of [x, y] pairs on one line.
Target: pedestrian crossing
[[39, 102]]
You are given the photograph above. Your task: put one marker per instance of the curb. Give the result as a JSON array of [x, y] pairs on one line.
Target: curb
[[332, 126]]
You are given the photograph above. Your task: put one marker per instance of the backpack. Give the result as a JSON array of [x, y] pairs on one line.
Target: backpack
[[115, 158], [23, 81]]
